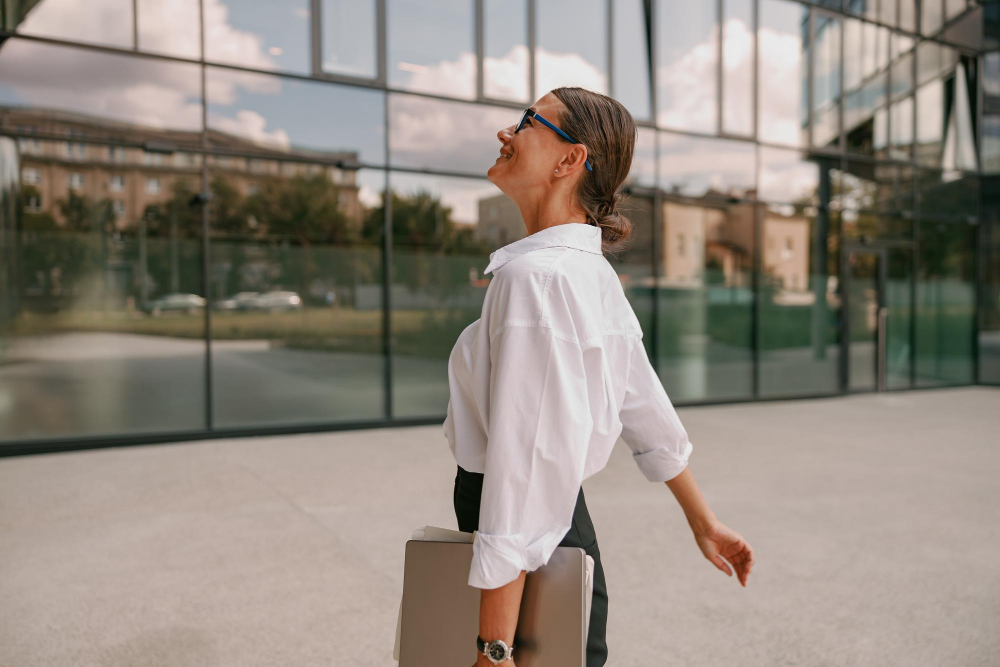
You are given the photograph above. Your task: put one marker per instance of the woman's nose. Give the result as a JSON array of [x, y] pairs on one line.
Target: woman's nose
[[506, 133]]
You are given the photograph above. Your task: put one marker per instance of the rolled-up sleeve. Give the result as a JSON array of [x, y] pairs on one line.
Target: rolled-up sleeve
[[650, 425], [538, 435]]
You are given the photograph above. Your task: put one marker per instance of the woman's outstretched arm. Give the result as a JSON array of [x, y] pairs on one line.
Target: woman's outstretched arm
[[716, 540]]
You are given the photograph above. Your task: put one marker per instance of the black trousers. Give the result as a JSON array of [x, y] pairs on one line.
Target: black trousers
[[467, 495]]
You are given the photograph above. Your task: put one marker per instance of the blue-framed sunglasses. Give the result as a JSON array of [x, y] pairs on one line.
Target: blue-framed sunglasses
[[531, 113]]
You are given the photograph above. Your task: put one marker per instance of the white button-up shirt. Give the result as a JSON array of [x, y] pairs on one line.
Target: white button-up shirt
[[541, 387]]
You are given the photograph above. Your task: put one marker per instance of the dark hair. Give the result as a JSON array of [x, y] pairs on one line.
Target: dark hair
[[609, 133]]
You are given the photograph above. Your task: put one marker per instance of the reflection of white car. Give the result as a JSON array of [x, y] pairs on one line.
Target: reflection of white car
[[186, 303], [277, 300], [239, 301]]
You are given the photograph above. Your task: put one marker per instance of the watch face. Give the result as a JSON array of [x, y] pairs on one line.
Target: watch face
[[497, 650]]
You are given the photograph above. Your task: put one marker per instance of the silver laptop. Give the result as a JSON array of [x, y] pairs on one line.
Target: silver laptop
[[440, 610]]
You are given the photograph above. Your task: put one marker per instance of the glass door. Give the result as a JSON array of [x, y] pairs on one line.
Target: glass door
[[865, 317]]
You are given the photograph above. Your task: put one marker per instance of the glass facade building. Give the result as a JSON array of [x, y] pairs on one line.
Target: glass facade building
[[231, 217]]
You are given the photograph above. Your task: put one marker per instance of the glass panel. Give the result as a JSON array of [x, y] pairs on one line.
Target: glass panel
[[571, 45], [296, 283], [644, 159], [866, 8], [443, 232], [79, 22], [505, 50], [908, 15], [279, 116], [901, 122], [865, 81], [782, 75], [902, 65], [634, 264], [899, 327], [349, 37], [686, 66], [106, 314], [989, 321], [704, 328], [787, 176], [953, 8], [799, 302], [432, 46], [259, 35], [930, 16], [945, 306], [632, 58], [887, 12], [737, 67], [826, 82], [453, 136], [991, 112], [869, 186], [930, 123], [699, 167], [170, 27], [83, 94], [948, 194], [862, 319]]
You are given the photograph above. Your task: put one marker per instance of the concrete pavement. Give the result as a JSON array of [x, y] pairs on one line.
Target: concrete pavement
[[873, 519]]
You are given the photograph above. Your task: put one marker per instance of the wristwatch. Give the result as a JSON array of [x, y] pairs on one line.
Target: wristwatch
[[495, 651]]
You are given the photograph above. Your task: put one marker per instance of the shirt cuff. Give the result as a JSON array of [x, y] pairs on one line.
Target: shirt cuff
[[662, 464], [496, 560]]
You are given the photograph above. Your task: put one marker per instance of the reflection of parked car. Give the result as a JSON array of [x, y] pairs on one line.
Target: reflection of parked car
[[277, 300], [185, 303], [239, 301]]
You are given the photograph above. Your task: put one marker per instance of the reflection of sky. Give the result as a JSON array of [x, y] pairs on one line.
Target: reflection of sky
[[572, 45], [694, 164], [438, 34], [290, 112], [631, 74], [142, 91], [282, 29], [349, 37]]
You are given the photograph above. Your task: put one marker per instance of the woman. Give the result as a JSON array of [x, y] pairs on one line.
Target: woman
[[554, 371]]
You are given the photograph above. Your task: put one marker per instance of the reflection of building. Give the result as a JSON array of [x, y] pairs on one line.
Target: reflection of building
[[146, 169]]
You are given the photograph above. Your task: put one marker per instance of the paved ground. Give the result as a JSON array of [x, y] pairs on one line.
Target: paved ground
[[873, 518]]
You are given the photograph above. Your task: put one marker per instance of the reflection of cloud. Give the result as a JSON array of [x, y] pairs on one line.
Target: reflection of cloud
[[150, 93], [696, 165], [250, 125], [134, 90], [786, 177], [99, 21], [687, 94], [507, 77], [227, 43], [567, 69], [445, 135]]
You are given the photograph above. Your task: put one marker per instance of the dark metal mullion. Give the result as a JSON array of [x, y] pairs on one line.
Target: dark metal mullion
[[980, 237], [650, 14], [205, 245], [609, 42], [657, 218], [531, 50], [316, 36], [381, 54], [480, 32], [755, 28], [755, 268], [810, 75], [135, 25], [387, 274], [718, 69]]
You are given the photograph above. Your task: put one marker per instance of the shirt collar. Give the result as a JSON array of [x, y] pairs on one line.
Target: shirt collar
[[579, 235]]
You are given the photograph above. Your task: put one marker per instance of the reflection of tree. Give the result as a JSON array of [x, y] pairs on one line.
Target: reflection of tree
[[55, 259]]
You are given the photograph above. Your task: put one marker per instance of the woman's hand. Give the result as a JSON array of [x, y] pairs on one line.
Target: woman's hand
[[718, 541]]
